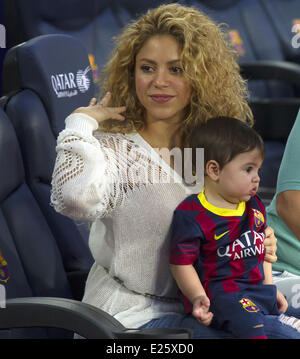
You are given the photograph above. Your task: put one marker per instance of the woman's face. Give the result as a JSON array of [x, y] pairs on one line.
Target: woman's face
[[161, 86]]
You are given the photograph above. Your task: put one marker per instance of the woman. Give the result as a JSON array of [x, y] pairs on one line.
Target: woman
[[170, 70]]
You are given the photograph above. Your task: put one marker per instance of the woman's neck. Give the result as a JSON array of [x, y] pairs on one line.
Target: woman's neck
[[160, 135]]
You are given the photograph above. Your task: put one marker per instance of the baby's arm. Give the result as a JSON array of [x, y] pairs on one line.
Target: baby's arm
[[189, 283], [268, 273]]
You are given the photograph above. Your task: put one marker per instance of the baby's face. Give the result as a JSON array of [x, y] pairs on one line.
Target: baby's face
[[239, 178]]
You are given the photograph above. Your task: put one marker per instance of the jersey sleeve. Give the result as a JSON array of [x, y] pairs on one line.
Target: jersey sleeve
[[185, 239]]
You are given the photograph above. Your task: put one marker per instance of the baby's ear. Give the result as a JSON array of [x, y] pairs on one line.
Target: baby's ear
[[212, 170]]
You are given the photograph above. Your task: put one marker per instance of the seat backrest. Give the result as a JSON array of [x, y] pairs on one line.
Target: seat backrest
[[34, 263], [94, 22], [52, 78], [285, 18], [252, 35], [250, 31], [2, 43], [136, 7]]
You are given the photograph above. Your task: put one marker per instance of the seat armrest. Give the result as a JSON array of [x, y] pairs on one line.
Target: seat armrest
[[81, 318], [272, 70]]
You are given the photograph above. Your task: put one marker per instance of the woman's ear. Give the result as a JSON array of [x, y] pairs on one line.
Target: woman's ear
[[212, 170]]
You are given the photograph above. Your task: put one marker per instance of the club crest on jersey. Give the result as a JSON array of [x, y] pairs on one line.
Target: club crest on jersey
[[4, 276], [249, 305], [258, 218]]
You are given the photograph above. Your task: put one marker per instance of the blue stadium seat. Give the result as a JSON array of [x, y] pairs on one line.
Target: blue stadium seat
[[250, 31], [251, 34], [34, 262], [285, 18], [52, 78], [2, 43], [94, 22], [136, 7]]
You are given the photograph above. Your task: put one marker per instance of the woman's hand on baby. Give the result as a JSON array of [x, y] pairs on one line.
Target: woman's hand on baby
[[270, 245], [100, 111], [200, 310]]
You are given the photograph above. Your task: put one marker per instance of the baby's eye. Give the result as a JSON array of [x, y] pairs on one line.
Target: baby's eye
[[248, 169]]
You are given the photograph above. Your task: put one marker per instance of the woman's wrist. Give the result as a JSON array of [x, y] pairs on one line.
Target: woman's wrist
[[81, 122]]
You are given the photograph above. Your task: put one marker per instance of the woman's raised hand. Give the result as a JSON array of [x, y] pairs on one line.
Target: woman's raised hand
[[100, 111]]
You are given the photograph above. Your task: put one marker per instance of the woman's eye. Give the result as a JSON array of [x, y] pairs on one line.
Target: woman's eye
[[176, 69], [146, 68]]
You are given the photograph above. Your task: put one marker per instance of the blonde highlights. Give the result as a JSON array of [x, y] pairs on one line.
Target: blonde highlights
[[208, 61]]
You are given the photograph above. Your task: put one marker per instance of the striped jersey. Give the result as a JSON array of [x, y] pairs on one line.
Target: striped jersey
[[224, 245]]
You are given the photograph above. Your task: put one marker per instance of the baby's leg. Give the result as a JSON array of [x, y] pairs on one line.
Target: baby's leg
[[247, 325], [240, 316]]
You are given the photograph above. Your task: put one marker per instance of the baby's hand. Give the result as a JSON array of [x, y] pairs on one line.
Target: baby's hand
[[200, 310]]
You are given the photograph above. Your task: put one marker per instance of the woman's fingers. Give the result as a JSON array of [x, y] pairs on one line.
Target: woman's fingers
[[100, 110], [93, 101], [105, 100], [270, 245], [103, 103], [114, 113]]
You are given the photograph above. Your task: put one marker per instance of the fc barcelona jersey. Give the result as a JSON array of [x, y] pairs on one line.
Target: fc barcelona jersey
[[225, 246]]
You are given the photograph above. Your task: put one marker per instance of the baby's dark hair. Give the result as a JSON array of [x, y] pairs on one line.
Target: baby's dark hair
[[223, 138]]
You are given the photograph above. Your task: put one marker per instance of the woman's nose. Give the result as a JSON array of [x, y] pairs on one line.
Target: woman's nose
[[161, 79]]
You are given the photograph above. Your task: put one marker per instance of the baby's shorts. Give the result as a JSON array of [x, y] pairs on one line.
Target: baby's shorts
[[242, 313]]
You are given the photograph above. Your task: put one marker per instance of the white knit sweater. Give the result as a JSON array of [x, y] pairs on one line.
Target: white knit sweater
[[120, 184]]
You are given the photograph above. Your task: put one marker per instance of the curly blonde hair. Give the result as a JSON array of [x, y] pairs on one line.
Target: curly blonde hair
[[207, 59]]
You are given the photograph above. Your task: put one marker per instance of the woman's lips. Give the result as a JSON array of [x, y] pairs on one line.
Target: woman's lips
[[161, 98]]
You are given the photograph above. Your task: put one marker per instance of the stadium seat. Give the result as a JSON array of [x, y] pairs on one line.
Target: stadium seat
[[2, 43], [52, 78], [136, 7], [94, 22], [251, 34], [285, 18], [34, 264]]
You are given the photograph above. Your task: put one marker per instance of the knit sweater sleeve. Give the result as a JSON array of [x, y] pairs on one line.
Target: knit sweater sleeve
[[85, 176]]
